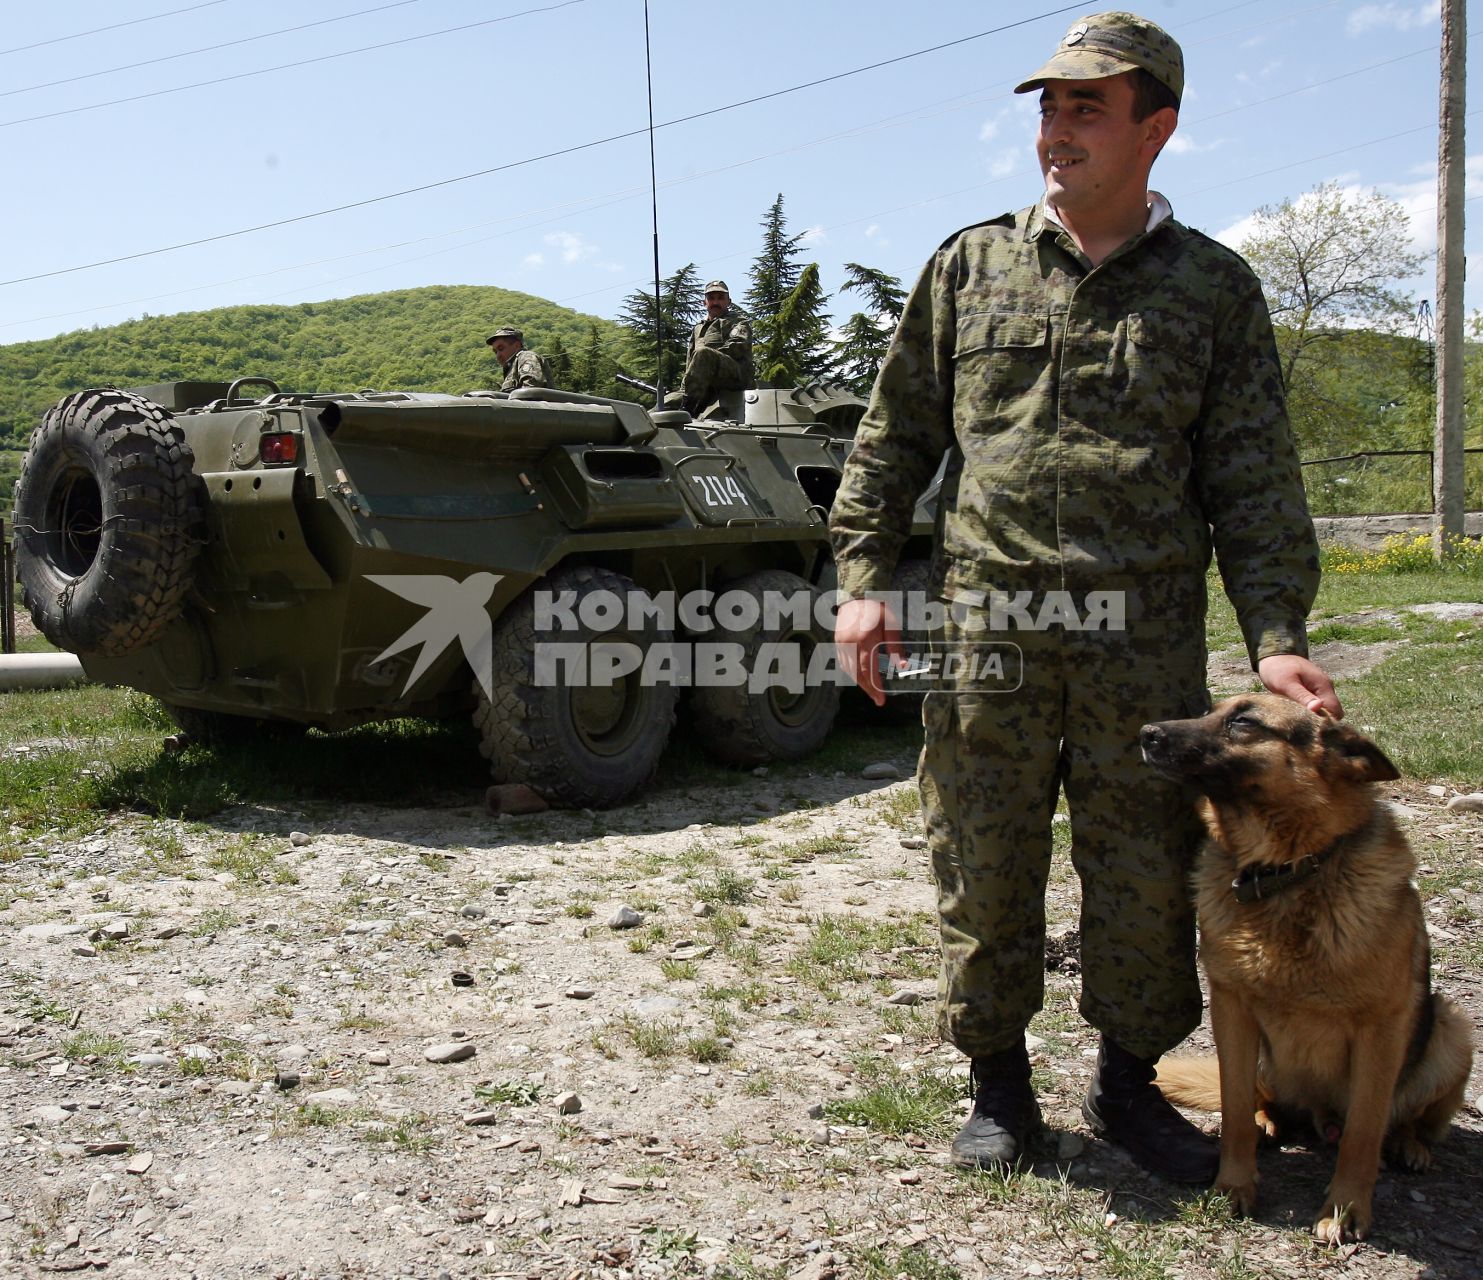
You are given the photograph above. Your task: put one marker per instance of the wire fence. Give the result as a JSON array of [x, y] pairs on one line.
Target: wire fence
[[1384, 482]]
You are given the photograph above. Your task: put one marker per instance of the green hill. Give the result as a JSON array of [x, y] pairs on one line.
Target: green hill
[[428, 339]]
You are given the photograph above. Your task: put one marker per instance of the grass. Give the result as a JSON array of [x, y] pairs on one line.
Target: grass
[[1363, 584], [913, 1263], [897, 1102], [108, 1052], [812, 847], [725, 887], [657, 1040], [514, 1093], [844, 948], [100, 750]]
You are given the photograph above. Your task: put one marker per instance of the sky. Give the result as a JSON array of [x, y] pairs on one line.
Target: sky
[[511, 137]]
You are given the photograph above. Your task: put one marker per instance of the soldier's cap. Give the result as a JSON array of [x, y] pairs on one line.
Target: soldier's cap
[[1107, 44], [716, 286], [506, 332]]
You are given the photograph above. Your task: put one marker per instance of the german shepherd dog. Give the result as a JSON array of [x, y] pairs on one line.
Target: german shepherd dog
[[1314, 944]]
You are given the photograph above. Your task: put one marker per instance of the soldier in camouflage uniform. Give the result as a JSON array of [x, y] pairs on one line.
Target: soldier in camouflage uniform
[[719, 357], [1104, 384], [522, 368]]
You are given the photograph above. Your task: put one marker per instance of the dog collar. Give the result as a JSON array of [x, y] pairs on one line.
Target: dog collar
[[1265, 879]]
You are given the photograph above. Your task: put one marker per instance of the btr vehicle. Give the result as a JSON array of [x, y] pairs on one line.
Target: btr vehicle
[[259, 559]]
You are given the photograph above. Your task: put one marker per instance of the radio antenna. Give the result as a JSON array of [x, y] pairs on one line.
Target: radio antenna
[[654, 202]]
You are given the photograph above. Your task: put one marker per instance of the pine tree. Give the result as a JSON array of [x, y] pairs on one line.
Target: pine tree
[[774, 273], [795, 348], [681, 304], [560, 361], [789, 322], [592, 371], [866, 335]]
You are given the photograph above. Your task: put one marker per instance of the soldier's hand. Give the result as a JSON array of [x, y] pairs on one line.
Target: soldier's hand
[[1301, 680], [862, 630]]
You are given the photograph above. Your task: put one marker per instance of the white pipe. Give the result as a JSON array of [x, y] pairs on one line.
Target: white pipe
[[40, 671]]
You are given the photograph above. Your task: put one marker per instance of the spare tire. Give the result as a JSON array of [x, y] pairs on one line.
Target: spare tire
[[104, 522]]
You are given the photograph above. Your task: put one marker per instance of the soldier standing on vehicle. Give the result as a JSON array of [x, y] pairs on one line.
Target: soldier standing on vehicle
[[1104, 385], [719, 357], [522, 368]]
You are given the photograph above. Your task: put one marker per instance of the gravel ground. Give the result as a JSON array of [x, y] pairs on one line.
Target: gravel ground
[[217, 1044]]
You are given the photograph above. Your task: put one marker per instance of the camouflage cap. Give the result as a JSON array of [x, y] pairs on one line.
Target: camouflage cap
[[506, 332], [716, 286], [1107, 44]]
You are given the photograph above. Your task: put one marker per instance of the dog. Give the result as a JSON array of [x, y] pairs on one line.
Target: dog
[[1315, 948]]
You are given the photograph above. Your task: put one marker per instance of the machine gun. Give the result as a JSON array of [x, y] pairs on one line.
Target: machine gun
[[638, 384]]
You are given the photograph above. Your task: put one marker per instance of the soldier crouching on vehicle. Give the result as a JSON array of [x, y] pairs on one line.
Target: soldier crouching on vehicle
[[522, 368], [719, 357]]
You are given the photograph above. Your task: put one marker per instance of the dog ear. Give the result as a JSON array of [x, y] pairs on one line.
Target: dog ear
[[1361, 758]]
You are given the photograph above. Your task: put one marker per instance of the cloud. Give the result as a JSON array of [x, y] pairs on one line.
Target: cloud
[[989, 130], [572, 245], [533, 260], [1403, 17], [876, 236], [1417, 198], [811, 236], [1181, 144], [1234, 234], [1006, 162]]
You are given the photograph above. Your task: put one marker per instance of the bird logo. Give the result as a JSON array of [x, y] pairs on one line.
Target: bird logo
[[455, 611]]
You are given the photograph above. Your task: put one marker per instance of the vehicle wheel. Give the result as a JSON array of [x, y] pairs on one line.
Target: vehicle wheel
[[104, 522], [911, 576], [577, 746], [742, 727], [222, 729]]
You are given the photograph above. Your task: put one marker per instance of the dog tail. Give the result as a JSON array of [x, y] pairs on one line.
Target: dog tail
[[1191, 1082]]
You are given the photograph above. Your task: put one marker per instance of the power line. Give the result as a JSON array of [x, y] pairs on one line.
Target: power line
[[210, 48], [285, 66], [604, 200], [549, 155], [132, 22]]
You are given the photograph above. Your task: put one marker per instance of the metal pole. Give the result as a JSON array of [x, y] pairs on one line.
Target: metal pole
[[654, 201], [1447, 473], [7, 593]]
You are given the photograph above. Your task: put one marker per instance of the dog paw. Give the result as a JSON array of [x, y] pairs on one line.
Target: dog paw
[[1240, 1193], [1407, 1151], [1268, 1125]]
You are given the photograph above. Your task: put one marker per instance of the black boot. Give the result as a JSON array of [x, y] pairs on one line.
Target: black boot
[[1004, 1112], [1124, 1106]]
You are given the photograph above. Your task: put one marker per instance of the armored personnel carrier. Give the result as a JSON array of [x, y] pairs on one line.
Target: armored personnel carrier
[[264, 560]]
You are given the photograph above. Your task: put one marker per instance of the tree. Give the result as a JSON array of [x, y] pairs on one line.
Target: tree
[[681, 304], [592, 370], [774, 272], [560, 361], [795, 347], [789, 320], [866, 335], [1330, 263]]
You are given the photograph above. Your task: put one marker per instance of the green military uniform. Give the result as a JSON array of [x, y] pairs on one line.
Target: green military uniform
[[525, 369], [1104, 428], [718, 358]]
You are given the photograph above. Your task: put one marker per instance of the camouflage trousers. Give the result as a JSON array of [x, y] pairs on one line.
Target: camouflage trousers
[[991, 769], [709, 373]]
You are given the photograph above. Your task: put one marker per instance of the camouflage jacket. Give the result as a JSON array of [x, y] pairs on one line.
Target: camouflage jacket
[[526, 369], [731, 335], [1104, 428]]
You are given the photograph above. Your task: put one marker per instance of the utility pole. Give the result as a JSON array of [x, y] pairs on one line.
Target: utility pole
[[1447, 472]]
